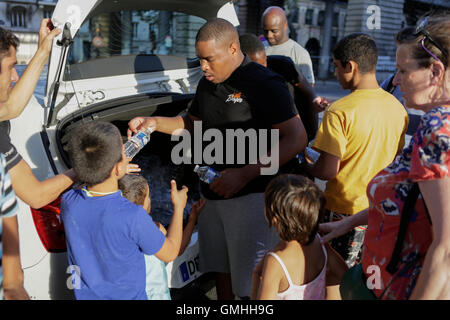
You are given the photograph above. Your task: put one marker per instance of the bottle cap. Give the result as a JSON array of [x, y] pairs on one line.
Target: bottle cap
[[196, 168]]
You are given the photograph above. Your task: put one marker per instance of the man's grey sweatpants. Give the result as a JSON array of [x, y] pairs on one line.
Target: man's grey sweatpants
[[233, 237]]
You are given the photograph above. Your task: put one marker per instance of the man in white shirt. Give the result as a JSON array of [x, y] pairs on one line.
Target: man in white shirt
[[275, 30]]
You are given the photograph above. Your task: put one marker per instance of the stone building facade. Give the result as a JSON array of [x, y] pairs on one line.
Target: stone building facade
[[309, 21], [315, 24], [318, 24], [24, 17]]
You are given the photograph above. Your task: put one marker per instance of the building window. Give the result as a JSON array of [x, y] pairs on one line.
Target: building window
[[321, 18], [293, 15], [309, 16], [48, 13], [135, 30], [18, 17], [336, 19]]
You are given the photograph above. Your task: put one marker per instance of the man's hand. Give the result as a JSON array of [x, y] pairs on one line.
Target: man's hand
[[320, 104], [230, 182], [178, 197], [46, 36], [24, 88], [140, 123]]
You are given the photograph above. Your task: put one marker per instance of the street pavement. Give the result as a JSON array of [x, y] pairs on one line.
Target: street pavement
[[330, 89]]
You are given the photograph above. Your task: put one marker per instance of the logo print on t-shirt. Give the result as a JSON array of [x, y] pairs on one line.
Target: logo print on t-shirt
[[235, 97]]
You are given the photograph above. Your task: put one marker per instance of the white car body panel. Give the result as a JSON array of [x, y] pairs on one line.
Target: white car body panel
[[45, 273], [75, 12], [125, 85], [25, 137]]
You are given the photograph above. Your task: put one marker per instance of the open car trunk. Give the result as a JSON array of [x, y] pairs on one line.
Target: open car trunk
[[155, 158]]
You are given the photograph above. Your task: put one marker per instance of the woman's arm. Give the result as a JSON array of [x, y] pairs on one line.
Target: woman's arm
[[434, 279]]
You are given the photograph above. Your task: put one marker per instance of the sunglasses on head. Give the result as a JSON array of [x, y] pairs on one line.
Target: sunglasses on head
[[421, 30]]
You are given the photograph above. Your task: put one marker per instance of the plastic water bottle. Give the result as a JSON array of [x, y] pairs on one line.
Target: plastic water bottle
[[206, 174], [311, 154], [137, 142], [264, 41]]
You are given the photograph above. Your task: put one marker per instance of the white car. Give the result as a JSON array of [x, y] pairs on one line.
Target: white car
[[114, 60]]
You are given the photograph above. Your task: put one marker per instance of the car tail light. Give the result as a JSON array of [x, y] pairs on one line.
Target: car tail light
[[50, 227]]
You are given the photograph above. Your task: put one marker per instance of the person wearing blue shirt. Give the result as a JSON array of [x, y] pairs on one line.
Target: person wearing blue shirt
[[107, 235], [387, 85]]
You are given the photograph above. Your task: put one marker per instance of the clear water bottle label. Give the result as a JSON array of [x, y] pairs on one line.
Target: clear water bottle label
[[264, 41], [312, 154], [136, 143], [210, 175], [131, 149], [206, 174], [142, 138]]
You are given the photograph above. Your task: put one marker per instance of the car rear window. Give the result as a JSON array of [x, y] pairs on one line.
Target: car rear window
[[135, 32]]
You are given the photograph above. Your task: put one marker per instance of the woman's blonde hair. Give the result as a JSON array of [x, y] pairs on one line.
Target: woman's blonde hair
[[437, 28]]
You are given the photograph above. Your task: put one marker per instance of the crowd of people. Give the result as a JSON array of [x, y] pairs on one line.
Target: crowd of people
[[382, 220]]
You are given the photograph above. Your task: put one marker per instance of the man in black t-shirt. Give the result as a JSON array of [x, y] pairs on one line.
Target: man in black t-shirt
[[235, 94]]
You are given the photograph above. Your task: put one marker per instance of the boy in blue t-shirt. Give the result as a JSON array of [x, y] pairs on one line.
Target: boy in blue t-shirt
[[106, 234], [135, 188]]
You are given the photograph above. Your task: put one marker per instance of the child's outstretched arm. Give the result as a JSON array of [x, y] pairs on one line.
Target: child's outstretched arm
[[171, 246], [161, 228], [336, 267], [271, 276], [256, 278], [193, 216]]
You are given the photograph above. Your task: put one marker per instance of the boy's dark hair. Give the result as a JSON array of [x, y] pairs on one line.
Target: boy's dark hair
[[134, 188], [297, 204], [360, 48], [7, 39], [94, 148], [250, 43]]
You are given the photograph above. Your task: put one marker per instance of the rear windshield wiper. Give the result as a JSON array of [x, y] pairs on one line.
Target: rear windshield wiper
[[65, 42]]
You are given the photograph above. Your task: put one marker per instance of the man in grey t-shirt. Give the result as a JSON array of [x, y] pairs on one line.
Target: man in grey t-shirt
[[275, 30]]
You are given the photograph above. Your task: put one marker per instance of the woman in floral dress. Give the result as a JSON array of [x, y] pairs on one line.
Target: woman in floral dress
[[423, 270]]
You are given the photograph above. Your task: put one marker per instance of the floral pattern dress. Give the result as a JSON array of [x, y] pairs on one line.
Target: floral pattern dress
[[426, 158]]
